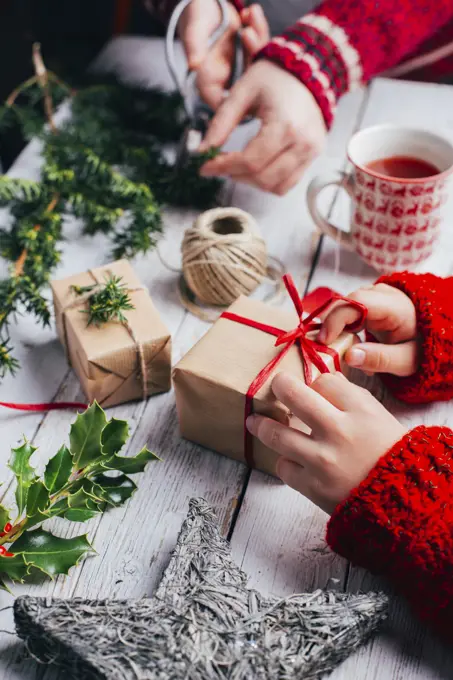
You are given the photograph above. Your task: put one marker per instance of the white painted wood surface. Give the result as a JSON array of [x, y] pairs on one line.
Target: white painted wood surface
[[277, 536]]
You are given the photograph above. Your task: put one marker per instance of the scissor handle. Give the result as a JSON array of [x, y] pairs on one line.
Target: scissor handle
[[171, 32]]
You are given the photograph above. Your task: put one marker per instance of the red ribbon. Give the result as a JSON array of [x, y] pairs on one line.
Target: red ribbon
[[310, 350], [50, 406]]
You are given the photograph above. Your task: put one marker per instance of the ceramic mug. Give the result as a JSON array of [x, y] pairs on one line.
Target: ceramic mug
[[395, 221]]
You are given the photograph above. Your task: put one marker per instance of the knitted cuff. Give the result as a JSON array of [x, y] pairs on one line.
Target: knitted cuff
[[397, 523], [431, 296], [320, 55]]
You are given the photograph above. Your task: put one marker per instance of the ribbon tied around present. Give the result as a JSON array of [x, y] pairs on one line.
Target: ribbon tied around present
[[310, 350]]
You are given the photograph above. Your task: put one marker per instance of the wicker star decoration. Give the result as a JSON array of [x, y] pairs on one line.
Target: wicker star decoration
[[203, 623]]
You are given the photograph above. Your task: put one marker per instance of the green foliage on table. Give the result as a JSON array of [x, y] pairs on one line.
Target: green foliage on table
[[79, 482], [106, 165], [106, 303]]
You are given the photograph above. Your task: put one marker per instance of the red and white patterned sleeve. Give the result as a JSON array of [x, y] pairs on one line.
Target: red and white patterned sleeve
[[344, 43]]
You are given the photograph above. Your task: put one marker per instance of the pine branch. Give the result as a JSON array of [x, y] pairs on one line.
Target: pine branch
[[106, 165]]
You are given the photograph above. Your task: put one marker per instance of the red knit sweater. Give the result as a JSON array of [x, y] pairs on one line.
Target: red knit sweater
[[399, 521], [344, 43]]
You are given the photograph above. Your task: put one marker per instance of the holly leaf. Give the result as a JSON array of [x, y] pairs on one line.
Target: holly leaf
[[4, 517], [89, 487], [25, 474], [114, 490], [3, 586], [58, 470], [85, 436], [114, 436], [54, 510], [84, 500], [51, 554], [80, 514], [71, 506], [130, 465], [14, 567], [38, 498]]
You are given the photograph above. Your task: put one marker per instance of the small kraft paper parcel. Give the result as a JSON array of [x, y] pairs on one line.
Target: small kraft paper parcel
[[227, 375], [116, 361]]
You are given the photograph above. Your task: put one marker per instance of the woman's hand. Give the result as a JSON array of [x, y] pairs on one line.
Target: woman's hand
[[292, 129], [391, 320], [198, 22], [350, 431]]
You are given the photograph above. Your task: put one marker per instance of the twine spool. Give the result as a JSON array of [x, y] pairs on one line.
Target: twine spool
[[223, 256]]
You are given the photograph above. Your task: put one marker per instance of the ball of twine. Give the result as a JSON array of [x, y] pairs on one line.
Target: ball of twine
[[223, 256]]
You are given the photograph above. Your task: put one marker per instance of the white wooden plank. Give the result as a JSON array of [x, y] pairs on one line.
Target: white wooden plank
[[150, 522], [408, 651], [134, 542], [278, 537]]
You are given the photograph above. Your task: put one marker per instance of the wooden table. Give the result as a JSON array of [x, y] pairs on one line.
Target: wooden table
[[276, 535]]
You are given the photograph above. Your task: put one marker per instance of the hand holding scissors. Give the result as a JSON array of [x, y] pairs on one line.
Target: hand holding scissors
[[292, 126], [219, 40]]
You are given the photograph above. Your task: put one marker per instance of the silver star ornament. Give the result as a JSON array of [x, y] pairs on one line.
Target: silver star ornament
[[203, 623]]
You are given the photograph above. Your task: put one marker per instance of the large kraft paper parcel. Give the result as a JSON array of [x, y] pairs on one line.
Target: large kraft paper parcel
[[106, 358], [212, 379]]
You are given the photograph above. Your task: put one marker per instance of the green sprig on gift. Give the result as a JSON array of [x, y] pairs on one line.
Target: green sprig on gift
[[106, 303], [79, 482], [105, 165]]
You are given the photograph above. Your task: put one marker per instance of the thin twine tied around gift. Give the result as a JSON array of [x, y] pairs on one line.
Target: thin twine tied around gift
[[223, 256], [62, 405], [310, 350], [85, 297]]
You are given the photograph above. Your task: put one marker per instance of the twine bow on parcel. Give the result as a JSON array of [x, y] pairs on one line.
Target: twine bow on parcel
[[310, 350], [81, 299], [62, 405]]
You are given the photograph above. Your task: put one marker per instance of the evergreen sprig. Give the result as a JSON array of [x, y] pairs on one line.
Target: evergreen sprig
[[80, 481], [108, 302], [108, 165]]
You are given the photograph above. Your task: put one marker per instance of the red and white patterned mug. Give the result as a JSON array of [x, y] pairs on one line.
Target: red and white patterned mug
[[395, 222]]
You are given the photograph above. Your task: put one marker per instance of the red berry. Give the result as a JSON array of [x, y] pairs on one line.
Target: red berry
[[8, 527], [2, 550], [9, 554], [2, 533]]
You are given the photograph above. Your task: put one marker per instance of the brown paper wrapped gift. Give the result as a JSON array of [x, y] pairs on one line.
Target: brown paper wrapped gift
[[212, 379], [107, 359]]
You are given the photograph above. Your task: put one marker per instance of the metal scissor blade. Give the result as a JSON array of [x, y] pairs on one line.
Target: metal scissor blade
[[188, 145]]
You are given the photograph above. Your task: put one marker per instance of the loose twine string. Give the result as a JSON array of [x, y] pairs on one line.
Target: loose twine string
[[82, 299], [223, 256]]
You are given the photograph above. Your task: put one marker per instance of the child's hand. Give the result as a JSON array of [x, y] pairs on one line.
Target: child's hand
[[350, 431], [391, 320]]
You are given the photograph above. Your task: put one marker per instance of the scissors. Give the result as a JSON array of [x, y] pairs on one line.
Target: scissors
[[199, 114]]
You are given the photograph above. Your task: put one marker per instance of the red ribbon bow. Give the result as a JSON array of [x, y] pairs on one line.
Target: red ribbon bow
[[310, 350]]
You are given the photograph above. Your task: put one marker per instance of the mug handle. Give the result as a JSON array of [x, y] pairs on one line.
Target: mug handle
[[343, 181]]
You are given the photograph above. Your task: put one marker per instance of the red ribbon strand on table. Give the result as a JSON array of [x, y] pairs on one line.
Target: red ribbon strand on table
[[49, 406], [310, 350]]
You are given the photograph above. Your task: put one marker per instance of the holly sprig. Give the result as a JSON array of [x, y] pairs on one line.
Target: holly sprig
[[80, 481]]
